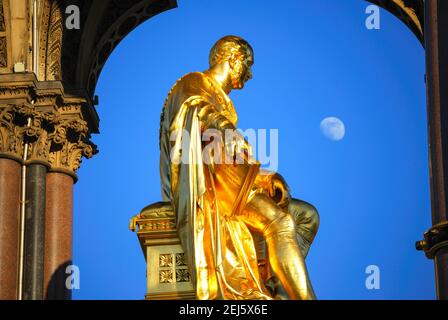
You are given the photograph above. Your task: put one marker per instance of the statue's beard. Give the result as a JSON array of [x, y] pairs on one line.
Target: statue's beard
[[238, 85], [238, 82], [238, 78]]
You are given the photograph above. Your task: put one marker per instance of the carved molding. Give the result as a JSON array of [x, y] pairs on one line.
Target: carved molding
[[53, 140], [70, 144], [3, 39], [12, 123], [44, 25], [3, 53], [2, 18], [41, 115], [36, 134], [55, 36]]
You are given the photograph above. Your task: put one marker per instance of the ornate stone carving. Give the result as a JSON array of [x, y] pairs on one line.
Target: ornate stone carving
[[12, 122], [2, 18], [170, 272], [37, 136], [3, 53], [52, 139], [182, 275], [181, 260], [3, 40], [69, 144], [20, 124], [52, 125], [166, 260], [54, 51], [166, 276], [45, 9], [13, 92]]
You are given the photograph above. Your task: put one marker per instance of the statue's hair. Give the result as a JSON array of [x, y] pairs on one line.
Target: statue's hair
[[227, 46]]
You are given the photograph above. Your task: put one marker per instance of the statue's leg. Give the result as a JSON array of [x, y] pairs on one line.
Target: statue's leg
[[263, 216], [306, 219]]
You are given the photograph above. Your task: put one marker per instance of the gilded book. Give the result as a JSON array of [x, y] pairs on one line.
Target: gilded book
[[234, 182]]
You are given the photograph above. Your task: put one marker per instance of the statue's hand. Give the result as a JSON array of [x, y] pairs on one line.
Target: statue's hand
[[276, 186], [279, 191]]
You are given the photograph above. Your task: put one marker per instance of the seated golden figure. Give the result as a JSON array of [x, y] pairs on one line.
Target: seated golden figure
[[243, 245]]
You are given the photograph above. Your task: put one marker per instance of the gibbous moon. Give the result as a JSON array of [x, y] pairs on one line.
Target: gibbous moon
[[333, 128]]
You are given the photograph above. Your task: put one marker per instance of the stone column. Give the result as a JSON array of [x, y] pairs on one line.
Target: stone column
[[436, 15], [436, 42], [69, 146], [10, 171], [58, 238], [11, 153], [37, 143], [33, 273], [55, 136]]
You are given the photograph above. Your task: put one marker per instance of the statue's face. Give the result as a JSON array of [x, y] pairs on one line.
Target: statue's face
[[242, 71]]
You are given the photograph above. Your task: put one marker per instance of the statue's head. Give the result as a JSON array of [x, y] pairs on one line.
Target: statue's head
[[238, 53]]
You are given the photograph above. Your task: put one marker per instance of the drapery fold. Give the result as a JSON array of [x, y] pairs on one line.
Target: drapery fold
[[219, 247]]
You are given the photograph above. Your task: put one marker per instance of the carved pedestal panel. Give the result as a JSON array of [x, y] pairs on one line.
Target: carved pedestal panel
[[167, 272]]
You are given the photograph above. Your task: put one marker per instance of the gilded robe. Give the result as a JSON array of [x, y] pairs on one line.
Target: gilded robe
[[220, 247]]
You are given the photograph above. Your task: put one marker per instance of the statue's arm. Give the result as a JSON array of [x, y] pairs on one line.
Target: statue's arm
[[213, 119]]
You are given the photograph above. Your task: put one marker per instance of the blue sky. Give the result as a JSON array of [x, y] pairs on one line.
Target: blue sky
[[313, 59]]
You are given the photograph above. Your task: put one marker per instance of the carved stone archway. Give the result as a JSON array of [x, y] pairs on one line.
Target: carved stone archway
[[48, 75]]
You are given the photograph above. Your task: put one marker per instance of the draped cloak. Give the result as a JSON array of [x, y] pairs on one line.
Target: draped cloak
[[219, 247]]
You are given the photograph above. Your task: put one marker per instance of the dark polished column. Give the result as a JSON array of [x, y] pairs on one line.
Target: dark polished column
[[58, 235], [436, 43], [10, 173], [33, 275]]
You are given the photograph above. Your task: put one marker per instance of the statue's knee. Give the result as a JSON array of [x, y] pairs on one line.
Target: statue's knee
[[283, 224], [305, 215], [287, 222], [314, 219]]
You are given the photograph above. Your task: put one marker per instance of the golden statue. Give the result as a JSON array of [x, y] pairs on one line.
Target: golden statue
[[244, 237]]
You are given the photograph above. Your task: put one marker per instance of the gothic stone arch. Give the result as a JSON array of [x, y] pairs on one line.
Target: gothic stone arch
[[48, 75]]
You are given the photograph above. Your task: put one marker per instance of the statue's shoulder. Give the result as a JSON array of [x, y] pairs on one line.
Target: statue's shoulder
[[192, 76], [191, 84], [193, 81]]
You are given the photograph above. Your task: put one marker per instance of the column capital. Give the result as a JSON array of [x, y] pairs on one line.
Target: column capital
[[12, 125], [70, 143], [52, 124]]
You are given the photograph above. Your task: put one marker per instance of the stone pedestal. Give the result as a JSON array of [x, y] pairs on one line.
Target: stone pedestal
[[168, 276]]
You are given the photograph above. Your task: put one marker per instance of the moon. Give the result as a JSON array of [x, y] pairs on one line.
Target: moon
[[333, 128]]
